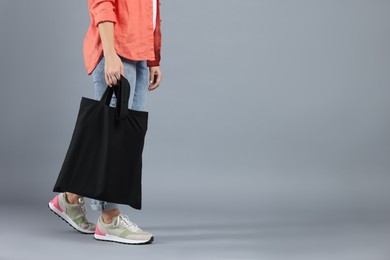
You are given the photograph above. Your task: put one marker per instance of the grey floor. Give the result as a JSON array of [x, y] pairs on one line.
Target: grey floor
[[33, 232]]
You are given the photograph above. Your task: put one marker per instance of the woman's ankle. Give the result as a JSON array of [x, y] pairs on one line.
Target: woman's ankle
[[108, 215], [72, 198]]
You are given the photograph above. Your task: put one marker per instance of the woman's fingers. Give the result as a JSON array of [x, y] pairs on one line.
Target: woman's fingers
[[113, 69], [151, 76], [154, 77], [156, 82], [112, 79]]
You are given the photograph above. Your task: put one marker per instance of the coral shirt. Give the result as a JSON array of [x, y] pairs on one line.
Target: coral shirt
[[136, 35]]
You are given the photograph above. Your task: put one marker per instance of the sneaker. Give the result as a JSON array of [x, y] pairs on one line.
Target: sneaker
[[121, 230], [73, 214]]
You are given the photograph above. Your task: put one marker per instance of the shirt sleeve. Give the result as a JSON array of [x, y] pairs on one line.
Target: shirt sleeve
[[102, 11], [157, 46], [157, 50]]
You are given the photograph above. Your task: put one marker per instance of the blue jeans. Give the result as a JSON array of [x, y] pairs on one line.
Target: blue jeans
[[137, 73]]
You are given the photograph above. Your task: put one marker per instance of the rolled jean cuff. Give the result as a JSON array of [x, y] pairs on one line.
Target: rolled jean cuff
[[99, 205]]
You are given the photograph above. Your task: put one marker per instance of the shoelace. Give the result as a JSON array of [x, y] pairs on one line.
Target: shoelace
[[124, 221]]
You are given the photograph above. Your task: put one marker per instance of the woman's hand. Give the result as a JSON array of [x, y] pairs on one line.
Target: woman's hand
[[113, 68], [154, 77], [113, 65]]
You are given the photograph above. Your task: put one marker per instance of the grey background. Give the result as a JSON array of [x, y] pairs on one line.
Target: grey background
[[268, 137]]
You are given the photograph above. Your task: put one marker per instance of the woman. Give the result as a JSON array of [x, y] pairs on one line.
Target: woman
[[124, 37]]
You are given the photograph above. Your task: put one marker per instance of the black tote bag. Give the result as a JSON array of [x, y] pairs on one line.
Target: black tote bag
[[104, 158]]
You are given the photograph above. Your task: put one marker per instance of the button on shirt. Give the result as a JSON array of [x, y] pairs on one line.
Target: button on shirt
[[137, 33]]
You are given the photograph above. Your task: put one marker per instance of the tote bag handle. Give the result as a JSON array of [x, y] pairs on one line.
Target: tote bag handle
[[122, 94]]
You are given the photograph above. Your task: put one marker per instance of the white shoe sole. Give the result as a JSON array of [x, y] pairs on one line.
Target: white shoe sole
[[67, 219], [111, 238]]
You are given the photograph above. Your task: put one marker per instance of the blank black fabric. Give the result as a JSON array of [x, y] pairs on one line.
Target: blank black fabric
[[104, 158]]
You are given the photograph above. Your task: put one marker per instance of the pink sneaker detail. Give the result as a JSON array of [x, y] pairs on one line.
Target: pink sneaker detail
[[98, 232], [55, 203]]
